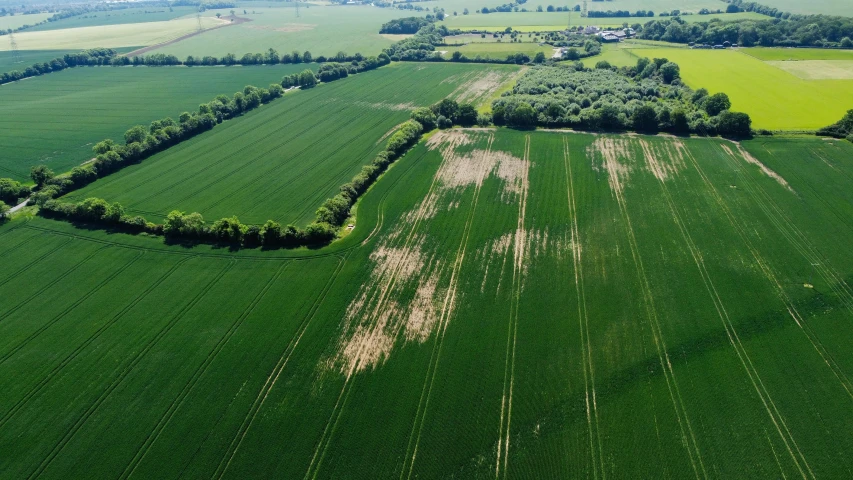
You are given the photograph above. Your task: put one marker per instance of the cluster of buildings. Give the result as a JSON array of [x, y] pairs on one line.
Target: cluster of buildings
[[609, 35]]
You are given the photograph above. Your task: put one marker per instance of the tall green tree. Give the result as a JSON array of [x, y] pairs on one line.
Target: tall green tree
[[41, 174]]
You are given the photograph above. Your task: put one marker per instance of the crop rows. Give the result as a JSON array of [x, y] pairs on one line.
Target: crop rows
[[55, 119], [533, 304], [282, 161]]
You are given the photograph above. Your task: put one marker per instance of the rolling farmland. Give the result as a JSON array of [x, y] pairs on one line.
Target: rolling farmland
[[512, 304], [116, 35], [762, 89], [55, 119], [118, 17], [532, 21], [320, 30], [281, 161]]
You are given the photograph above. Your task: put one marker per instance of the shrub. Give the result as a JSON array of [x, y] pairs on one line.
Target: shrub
[[425, 117], [716, 103]]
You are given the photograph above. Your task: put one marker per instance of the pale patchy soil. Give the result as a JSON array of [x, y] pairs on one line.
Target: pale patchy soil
[[410, 295], [748, 158], [479, 87]]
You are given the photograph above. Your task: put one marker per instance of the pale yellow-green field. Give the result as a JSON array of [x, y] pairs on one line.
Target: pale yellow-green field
[[17, 21], [818, 69], [126, 35], [616, 56], [773, 97]]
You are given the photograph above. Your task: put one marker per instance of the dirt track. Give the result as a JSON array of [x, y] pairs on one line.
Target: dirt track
[[234, 21]]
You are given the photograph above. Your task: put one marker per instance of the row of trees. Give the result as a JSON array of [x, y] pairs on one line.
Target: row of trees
[[12, 191], [94, 56], [190, 227], [647, 97], [796, 30], [141, 142]]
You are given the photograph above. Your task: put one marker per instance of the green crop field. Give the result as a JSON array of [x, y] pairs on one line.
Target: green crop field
[[818, 69], [17, 21], [613, 54], [825, 7], [55, 119], [25, 58], [511, 304], [118, 17], [320, 30], [786, 54], [283, 160], [774, 98], [499, 49]]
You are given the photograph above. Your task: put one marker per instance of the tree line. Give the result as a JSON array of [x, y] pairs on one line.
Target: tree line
[[191, 227], [141, 142], [91, 57], [840, 129], [646, 97], [181, 227], [784, 30]]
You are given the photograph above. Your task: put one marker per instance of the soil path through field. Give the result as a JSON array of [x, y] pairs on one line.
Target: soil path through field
[[234, 21]]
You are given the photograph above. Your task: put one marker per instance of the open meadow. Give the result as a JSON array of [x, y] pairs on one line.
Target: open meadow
[[56, 118], [511, 304], [281, 161], [498, 50], [825, 7], [775, 98], [18, 21], [119, 35], [320, 30], [118, 17]]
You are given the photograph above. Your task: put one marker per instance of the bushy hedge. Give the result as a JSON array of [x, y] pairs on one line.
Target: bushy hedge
[[141, 142], [840, 129], [334, 211], [648, 97], [12, 191], [404, 25], [784, 31], [94, 56]]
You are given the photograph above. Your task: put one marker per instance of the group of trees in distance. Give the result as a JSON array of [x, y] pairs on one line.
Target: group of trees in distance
[[647, 97], [793, 31], [840, 129], [13, 191], [407, 25]]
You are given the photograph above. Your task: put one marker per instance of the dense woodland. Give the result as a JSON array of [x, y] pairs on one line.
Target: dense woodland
[[648, 97], [840, 129], [793, 31]]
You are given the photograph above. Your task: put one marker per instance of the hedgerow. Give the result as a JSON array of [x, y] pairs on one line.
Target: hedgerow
[[94, 56]]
